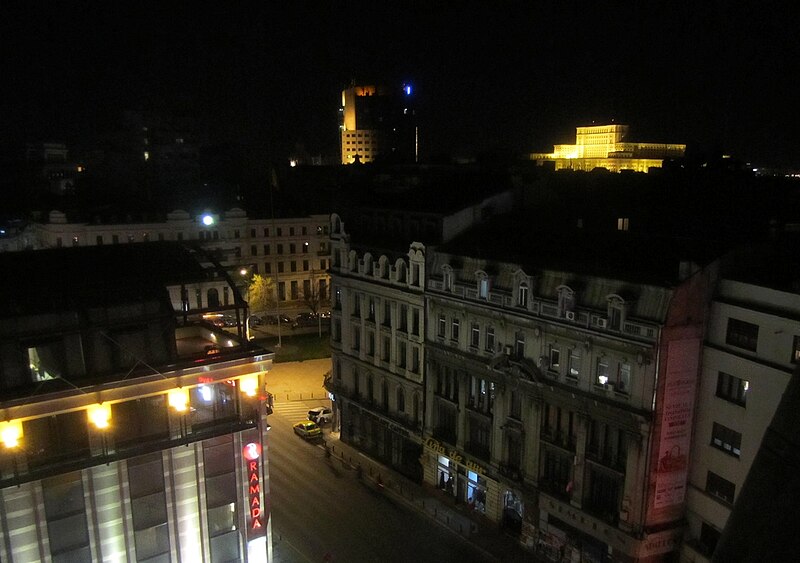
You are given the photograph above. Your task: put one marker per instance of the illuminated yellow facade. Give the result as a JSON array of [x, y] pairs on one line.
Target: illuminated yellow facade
[[361, 143], [602, 146]]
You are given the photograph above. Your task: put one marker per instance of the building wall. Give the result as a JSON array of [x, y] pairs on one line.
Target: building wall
[[289, 250], [744, 406]]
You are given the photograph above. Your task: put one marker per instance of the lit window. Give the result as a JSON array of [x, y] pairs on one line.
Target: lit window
[[522, 297], [601, 376], [147, 155], [727, 440], [732, 388]]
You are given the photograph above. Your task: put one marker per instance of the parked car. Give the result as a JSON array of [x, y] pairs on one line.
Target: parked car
[[273, 319], [305, 319], [320, 415], [307, 429]]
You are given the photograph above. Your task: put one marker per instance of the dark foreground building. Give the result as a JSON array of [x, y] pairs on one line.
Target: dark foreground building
[[132, 429]]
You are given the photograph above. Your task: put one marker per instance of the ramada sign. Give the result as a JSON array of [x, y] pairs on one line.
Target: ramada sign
[[252, 452]]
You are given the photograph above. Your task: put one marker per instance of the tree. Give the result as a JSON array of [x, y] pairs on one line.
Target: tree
[[312, 297], [261, 293]]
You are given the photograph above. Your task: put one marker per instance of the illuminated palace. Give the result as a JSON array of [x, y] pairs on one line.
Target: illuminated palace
[[376, 122], [132, 430], [604, 146]]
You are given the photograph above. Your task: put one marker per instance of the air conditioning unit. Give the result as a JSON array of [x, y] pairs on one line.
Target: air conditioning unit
[[570, 315], [602, 323]]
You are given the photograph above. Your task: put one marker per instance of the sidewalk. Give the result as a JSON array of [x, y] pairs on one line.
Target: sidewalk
[[486, 537]]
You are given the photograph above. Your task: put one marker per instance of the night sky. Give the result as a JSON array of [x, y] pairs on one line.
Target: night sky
[[505, 76]]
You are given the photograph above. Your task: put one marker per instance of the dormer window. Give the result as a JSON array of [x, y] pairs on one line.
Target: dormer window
[[447, 278], [566, 300], [522, 295], [616, 312], [483, 285]]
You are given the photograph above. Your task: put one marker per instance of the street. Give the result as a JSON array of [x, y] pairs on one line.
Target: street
[[321, 510]]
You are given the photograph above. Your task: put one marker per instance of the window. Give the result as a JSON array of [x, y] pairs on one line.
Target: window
[[709, 537], [454, 329], [415, 322], [280, 267], [292, 248], [387, 349], [281, 288], [415, 359], [253, 250], [442, 330], [370, 343], [519, 345], [601, 375], [623, 223], [295, 293], [99, 240], [727, 440], [65, 512], [267, 268], [719, 487], [387, 312], [291, 231], [490, 339], [356, 305], [796, 350], [403, 320], [447, 284], [401, 400], [475, 335], [356, 338], [742, 334], [574, 368], [293, 265], [266, 231], [371, 312], [522, 295], [555, 359], [237, 252], [252, 233], [280, 249], [483, 288], [401, 354], [236, 233], [114, 239], [623, 383], [279, 231], [732, 388], [266, 250]]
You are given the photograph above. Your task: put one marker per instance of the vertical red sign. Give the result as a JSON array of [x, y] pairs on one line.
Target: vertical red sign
[[252, 452]]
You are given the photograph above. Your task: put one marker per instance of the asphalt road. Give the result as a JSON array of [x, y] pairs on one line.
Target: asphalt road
[[323, 512]]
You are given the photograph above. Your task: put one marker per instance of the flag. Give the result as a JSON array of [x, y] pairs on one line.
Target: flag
[[274, 180]]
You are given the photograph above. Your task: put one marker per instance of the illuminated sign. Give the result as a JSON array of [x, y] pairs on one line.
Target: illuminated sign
[[251, 451], [454, 455], [254, 488]]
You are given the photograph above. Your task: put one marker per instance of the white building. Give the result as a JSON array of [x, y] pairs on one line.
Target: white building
[[751, 350]]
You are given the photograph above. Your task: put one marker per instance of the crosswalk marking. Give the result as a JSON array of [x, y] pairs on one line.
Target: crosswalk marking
[[297, 409]]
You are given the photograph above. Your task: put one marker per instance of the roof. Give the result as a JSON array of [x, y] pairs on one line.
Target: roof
[[55, 279], [627, 256]]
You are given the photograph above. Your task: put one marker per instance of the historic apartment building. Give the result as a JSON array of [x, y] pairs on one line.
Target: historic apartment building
[[751, 349], [560, 393], [378, 316], [294, 252], [131, 429]]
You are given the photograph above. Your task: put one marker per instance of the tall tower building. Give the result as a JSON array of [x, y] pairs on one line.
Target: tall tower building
[[378, 123]]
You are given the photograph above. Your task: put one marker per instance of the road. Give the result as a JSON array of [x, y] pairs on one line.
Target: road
[[320, 508]]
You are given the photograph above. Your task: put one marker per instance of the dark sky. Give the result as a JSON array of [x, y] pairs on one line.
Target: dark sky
[[517, 76]]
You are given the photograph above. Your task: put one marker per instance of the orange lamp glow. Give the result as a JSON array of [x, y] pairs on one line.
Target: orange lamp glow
[[11, 433], [178, 399], [249, 384], [100, 415]]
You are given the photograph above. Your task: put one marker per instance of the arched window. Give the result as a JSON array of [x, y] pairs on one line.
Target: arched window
[[401, 400], [213, 297]]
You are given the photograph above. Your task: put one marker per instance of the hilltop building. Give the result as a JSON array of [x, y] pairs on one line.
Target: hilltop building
[[606, 146]]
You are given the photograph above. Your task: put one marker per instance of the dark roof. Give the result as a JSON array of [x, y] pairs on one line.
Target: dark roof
[[627, 256], [58, 279]]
